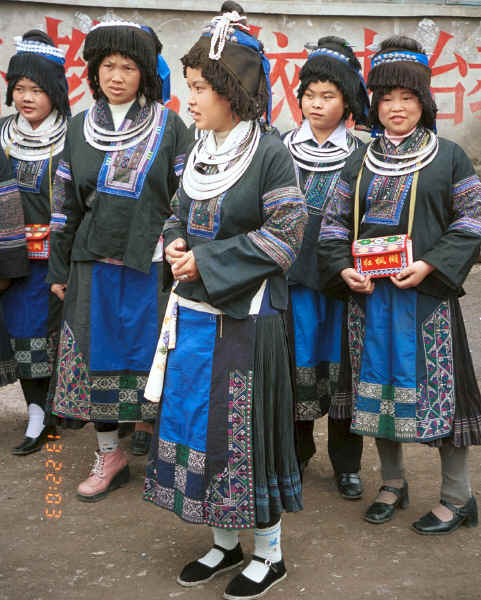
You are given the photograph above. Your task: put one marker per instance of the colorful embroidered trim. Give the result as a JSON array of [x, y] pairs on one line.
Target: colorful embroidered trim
[[179, 165], [281, 235], [337, 212], [123, 172], [204, 217], [466, 205], [230, 498], [436, 392], [12, 226], [30, 174]]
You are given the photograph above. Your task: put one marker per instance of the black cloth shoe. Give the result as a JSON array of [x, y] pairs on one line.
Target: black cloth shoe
[[243, 588], [140, 442], [382, 512], [196, 572], [466, 515], [349, 485], [30, 445]]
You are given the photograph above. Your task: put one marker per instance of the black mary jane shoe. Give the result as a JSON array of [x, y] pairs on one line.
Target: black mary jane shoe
[[349, 485], [196, 572], [140, 442], [382, 512], [243, 588], [466, 515], [30, 445]]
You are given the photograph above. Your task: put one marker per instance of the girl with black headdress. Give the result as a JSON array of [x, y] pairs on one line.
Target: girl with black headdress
[[223, 452], [33, 139], [331, 88], [122, 161], [406, 213]]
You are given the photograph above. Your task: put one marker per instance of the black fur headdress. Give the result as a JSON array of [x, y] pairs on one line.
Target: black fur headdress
[[41, 61], [141, 44], [334, 60], [401, 62]]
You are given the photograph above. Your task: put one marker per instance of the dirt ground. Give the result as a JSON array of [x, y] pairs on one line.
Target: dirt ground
[[125, 549]]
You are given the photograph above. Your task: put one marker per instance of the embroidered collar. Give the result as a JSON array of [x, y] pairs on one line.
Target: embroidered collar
[[20, 141], [130, 133], [231, 159], [320, 157], [413, 154]]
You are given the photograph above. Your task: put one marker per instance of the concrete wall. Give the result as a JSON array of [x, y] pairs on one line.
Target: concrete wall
[[451, 33]]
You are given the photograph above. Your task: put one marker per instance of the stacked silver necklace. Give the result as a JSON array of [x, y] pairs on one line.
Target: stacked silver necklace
[[401, 164], [316, 158], [112, 141], [20, 141], [235, 155]]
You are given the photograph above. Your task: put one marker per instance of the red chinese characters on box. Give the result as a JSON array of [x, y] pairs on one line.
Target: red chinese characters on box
[[382, 256]]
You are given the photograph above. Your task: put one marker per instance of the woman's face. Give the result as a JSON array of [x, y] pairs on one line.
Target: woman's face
[[119, 78], [399, 111], [323, 106], [208, 109], [31, 101]]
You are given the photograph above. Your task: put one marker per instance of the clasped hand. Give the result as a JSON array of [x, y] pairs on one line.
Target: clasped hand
[[409, 277], [181, 260]]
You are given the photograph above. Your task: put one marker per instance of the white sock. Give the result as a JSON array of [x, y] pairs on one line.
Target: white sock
[[36, 420], [267, 544], [108, 441], [225, 538]]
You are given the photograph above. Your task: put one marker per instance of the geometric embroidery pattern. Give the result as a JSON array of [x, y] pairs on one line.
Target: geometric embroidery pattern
[[386, 411], [29, 174], [436, 393], [356, 328], [72, 394], [32, 356], [318, 188], [230, 498], [62, 180], [175, 480], [107, 398], [123, 172], [386, 196], [12, 224], [204, 217], [280, 236], [315, 386], [466, 206], [336, 214], [120, 398]]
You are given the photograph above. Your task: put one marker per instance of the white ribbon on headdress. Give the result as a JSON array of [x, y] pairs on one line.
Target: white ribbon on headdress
[[222, 27]]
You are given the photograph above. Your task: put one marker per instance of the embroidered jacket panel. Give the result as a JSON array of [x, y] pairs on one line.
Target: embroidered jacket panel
[[250, 233], [447, 224], [33, 183], [114, 204], [317, 188], [13, 249]]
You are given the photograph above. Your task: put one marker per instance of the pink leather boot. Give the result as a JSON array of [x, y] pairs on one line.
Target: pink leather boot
[[109, 472]]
